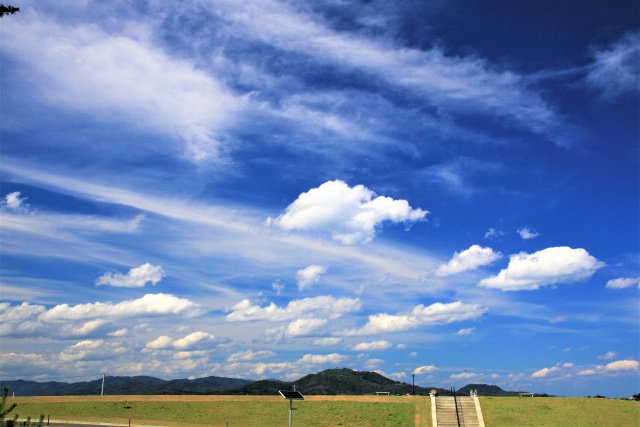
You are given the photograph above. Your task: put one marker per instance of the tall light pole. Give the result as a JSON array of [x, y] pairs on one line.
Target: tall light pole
[[413, 376]]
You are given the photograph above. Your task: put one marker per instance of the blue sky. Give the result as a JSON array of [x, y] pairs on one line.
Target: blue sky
[[266, 189]]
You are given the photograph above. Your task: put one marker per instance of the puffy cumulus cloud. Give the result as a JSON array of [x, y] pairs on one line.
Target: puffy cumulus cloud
[[22, 320], [89, 350], [159, 343], [526, 234], [195, 339], [130, 81], [608, 355], [568, 370], [148, 305], [546, 267], [309, 276], [371, 364], [326, 342], [192, 340], [544, 372], [249, 355], [304, 364], [437, 313], [398, 376], [321, 306], [83, 329], [13, 201], [427, 369], [18, 313], [469, 259], [622, 365], [136, 277], [463, 376], [623, 282], [349, 214], [615, 70], [465, 331], [372, 346], [302, 327], [320, 359]]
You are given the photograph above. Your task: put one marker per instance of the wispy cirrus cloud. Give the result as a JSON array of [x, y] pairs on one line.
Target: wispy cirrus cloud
[[131, 81], [615, 69]]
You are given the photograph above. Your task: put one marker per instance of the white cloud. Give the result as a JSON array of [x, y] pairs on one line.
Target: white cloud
[[83, 329], [14, 201], [434, 314], [88, 350], [608, 355], [349, 215], [427, 369], [277, 287], [325, 342], [309, 276], [159, 343], [320, 306], [372, 346], [526, 233], [465, 331], [622, 365], [119, 333], [463, 376], [129, 81], [615, 70], [398, 376], [320, 359], [192, 340], [544, 372], [148, 305], [302, 327], [195, 339], [623, 282], [469, 259], [546, 267], [136, 277], [450, 83], [492, 233], [249, 355]]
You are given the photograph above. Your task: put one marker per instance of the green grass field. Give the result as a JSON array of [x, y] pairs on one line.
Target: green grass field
[[559, 412], [321, 411]]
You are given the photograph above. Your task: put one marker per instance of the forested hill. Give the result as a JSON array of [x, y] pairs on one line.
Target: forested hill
[[329, 382], [125, 386], [335, 381]]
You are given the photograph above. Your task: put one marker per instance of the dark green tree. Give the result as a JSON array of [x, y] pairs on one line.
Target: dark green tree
[[8, 10], [4, 411]]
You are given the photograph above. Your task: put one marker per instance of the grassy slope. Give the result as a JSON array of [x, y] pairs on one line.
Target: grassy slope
[[385, 411], [559, 412], [355, 411]]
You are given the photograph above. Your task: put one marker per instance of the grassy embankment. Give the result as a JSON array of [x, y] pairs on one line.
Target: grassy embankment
[[231, 411], [559, 412], [355, 411]]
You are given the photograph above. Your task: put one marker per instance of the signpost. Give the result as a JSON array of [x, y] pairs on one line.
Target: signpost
[[291, 395]]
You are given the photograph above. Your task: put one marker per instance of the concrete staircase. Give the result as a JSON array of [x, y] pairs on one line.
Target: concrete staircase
[[468, 414]]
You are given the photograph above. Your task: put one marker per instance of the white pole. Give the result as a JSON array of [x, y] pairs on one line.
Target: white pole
[[102, 392], [290, 412]]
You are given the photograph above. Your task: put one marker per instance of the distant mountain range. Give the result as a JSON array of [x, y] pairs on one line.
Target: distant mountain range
[[328, 382]]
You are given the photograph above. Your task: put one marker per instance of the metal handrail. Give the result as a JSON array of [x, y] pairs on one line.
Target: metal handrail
[[455, 401]]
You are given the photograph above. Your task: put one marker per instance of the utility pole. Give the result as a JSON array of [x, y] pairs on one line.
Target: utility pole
[[414, 383], [102, 392]]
